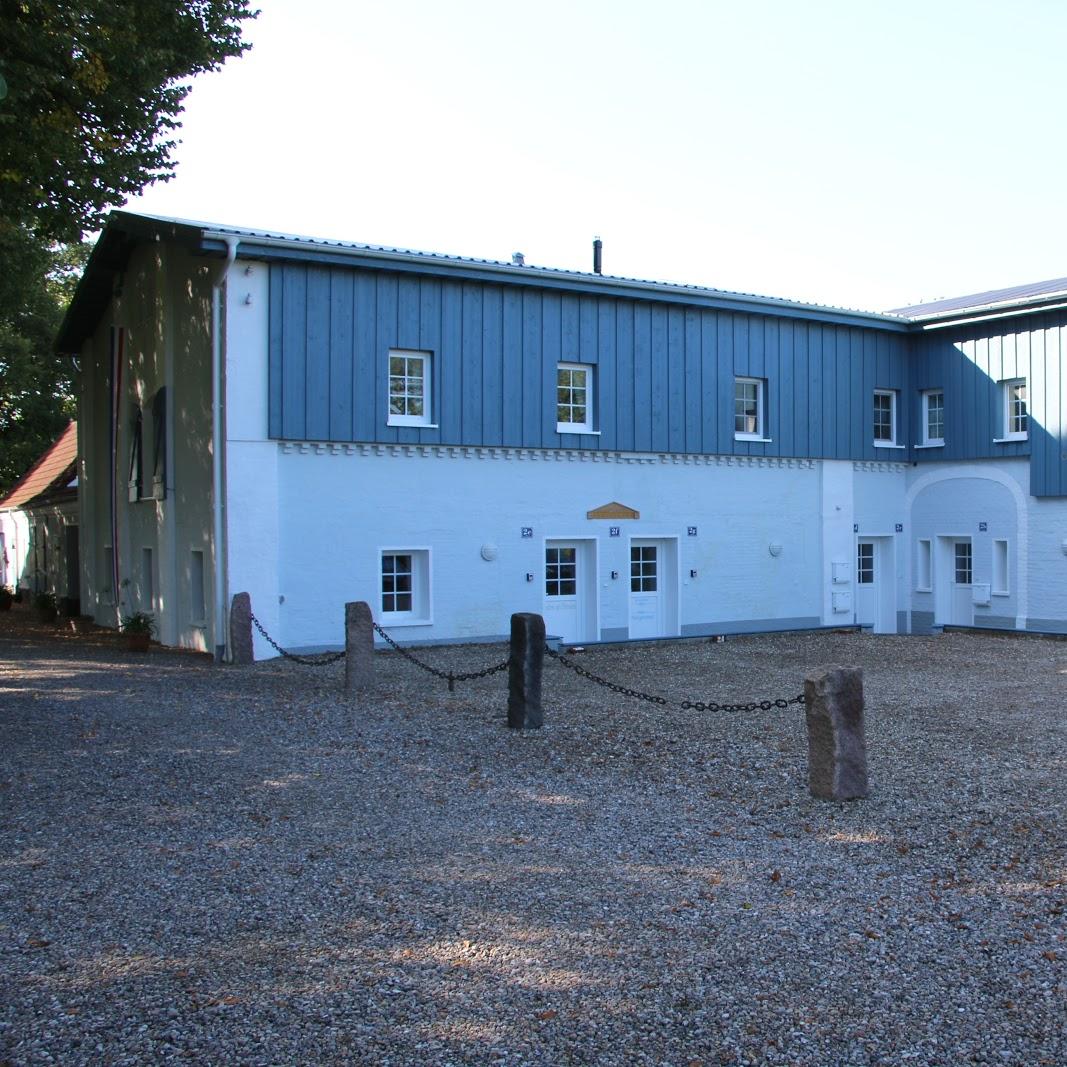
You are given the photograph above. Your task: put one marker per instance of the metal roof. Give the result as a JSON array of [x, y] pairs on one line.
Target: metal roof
[[124, 230], [1023, 297]]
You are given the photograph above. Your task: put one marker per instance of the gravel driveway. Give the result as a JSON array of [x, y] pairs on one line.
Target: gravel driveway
[[233, 865]]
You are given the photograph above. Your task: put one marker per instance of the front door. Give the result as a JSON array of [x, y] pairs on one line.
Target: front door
[[568, 609], [875, 605], [961, 605], [652, 588]]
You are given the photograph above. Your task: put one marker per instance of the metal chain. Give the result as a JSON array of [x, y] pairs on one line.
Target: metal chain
[[321, 660], [448, 676], [689, 705]]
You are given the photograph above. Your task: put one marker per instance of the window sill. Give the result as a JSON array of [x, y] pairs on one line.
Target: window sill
[[932, 444], [565, 427], [924, 589], [1011, 439], [753, 438], [888, 444], [414, 425], [1001, 592], [387, 622]]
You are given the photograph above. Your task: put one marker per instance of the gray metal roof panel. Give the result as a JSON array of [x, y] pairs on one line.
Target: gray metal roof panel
[[989, 300]]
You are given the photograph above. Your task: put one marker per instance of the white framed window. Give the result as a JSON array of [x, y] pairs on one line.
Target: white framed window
[[923, 567], [410, 388], [963, 558], [933, 415], [1016, 416], [885, 418], [865, 563], [750, 396], [405, 586], [574, 398], [1000, 568]]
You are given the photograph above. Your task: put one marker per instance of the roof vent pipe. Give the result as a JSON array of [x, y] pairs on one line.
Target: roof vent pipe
[[518, 259], [598, 249]]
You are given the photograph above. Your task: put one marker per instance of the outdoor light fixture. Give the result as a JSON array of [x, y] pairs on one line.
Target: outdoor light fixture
[[614, 575], [775, 550], [529, 576], [692, 574]]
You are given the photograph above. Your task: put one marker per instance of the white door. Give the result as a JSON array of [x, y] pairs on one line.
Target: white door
[[563, 591], [875, 602], [961, 607], [652, 588]]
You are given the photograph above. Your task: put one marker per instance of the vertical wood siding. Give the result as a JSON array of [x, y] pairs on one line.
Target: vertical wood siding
[[664, 374], [969, 363]]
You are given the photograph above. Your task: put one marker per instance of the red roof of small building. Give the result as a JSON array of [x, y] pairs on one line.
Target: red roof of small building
[[54, 470]]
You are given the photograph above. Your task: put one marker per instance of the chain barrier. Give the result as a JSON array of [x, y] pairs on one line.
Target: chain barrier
[[652, 698], [323, 659], [450, 676]]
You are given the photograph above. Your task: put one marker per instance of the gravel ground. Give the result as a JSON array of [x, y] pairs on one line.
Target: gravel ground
[[234, 865]]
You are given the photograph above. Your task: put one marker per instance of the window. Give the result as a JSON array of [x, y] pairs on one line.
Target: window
[[405, 577], [410, 387], [574, 398], [561, 571], [1000, 568], [885, 417], [934, 417], [1016, 417], [865, 563], [643, 569], [136, 450], [748, 409], [963, 562], [924, 571], [197, 598]]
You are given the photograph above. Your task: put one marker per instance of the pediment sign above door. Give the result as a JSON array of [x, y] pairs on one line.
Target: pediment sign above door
[[614, 510]]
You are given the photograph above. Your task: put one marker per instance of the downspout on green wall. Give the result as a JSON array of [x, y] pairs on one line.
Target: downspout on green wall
[[216, 447]]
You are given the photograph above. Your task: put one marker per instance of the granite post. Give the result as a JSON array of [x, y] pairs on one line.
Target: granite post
[[359, 648], [241, 651], [837, 749], [525, 670]]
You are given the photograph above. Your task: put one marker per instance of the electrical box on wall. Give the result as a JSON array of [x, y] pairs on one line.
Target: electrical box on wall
[[980, 594], [842, 602], [842, 572]]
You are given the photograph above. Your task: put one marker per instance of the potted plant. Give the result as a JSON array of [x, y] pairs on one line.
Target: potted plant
[[138, 628], [44, 607], [6, 598]]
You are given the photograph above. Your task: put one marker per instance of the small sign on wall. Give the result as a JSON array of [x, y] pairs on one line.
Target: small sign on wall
[[983, 527], [613, 531], [899, 527], [691, 531], [527, 531]]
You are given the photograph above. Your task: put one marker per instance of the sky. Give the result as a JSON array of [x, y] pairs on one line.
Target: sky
[[865, 154]]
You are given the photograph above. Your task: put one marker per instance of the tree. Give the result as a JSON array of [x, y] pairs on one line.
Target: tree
[[94, 91]]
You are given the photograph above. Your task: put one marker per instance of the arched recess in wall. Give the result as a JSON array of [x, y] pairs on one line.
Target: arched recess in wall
[[1022, 521]]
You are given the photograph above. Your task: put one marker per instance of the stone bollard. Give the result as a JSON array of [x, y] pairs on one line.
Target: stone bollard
[[359, 648], [525, 670], [241, 651], [837, 750]]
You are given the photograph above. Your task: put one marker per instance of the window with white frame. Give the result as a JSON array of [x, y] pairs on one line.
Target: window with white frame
[[410, 385], [924, 568], [1000, 568], [749, 406], [962, 550], [405, 585], [933, 417], [865, 563], [1016, 416], [574, 398], [885, 417]]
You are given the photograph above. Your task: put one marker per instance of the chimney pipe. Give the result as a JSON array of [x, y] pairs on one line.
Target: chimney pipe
[[598, 248], [518, 259]]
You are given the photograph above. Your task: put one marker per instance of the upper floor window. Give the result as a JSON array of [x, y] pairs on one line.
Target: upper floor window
[[749, 407], [574, 398], [409, 388], [885, 417], [1016, 417], [934, 417]]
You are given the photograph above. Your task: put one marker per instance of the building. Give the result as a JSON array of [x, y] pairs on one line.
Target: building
[[453, 440], [39, 526]]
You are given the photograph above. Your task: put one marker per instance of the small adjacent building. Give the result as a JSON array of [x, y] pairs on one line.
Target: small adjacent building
[[39, 527], [453, 440]]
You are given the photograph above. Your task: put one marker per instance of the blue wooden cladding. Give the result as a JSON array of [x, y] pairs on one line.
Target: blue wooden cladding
[[663, 371]]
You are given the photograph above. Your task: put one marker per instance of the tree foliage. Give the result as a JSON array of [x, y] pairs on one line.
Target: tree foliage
[[94, 95]]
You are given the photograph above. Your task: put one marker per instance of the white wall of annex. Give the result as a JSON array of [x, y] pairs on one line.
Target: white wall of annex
[[339, 507]]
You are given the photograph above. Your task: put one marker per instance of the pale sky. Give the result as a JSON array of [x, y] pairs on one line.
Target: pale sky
[[848, 152]]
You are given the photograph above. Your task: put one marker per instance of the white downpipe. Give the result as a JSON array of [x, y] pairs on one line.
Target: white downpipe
[[216, 445]]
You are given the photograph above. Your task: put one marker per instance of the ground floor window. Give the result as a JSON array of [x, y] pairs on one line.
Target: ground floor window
[[405, 585], [963, 562], [865, 563], [561, 571], [643, 569]]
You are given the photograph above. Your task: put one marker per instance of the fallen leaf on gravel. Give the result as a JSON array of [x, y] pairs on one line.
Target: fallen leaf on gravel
[[1050, 955], [544, 1016], [776, 876], [37, 942]]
